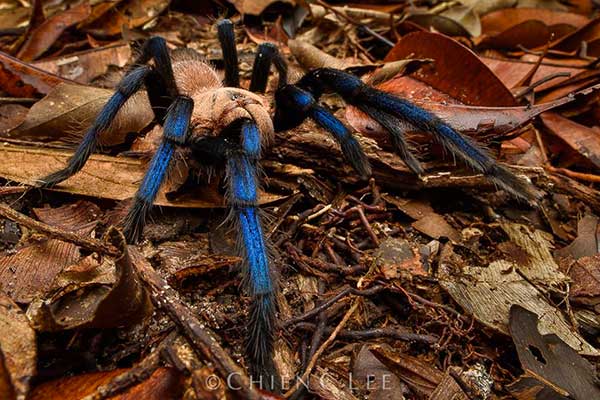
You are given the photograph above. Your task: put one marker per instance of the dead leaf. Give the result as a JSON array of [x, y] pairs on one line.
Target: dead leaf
[[20, 79], [108, 19], [18, 350], [29, 272], [549, 360], [94, 294], [586, 244], [44, 36], [256, 7], [579, 137], [163, 384], [435, 226], [455, 70], [83, 67], [395, 256], [68, 110]]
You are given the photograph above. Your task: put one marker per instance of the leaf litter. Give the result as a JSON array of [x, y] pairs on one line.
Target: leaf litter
[[437, 286]]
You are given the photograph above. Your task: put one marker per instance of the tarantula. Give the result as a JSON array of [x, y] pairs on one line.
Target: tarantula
[[227, 126]]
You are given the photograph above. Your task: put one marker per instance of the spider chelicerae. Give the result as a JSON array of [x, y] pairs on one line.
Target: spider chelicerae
[[198, 113]]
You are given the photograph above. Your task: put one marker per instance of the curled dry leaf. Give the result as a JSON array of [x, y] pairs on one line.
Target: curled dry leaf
[[580, 138], [256, 7], [20, 79], [18, 354], [44, 36], [109, 19], [92, 293], [310, 57], [85, 66], [163, 384], [69, 109], [573, 42]]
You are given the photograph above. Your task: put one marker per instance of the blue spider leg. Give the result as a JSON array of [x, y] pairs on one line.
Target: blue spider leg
[[227, 39], [175, 131], [355, 92], [130, 84], [261, 67], [295, 104], [242, 176], [396, 128]]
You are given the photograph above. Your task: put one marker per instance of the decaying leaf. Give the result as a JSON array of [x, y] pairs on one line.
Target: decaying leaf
[[94, 293], [550, 364], [18, 351], [29, 272], [69, 109], [163, 384], [489, 292], [255, 7], [43, 36]]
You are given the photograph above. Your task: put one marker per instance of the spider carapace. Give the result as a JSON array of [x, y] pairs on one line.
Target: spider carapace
[[198, 112]]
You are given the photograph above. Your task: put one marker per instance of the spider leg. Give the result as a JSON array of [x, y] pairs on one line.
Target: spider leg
[[161, 90], [227, 39], [242, 171], [130, 84], [261, 67], [295, 104], [367, 98], [396, 128], [174, 133]]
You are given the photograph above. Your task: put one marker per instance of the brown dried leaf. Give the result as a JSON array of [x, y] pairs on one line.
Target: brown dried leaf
[[20, 79], [105, 177], [85, 66], [420, 376], [550, 360], [128, 13], [456, 70], [580, 138], [18, 351], [94, 294], [588, 34], [586, 244], [256, 7], [42, 37], [163, 384], [435, 226], [29, 272], [81, 216], [501, 20], [69, 109]]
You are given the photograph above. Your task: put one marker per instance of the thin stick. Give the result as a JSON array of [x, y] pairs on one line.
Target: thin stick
[[57, 233], [315, 357]]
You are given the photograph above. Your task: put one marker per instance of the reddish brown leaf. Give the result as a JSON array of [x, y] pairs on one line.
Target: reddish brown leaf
[[94, 294], [589, 33], [255, 7], [500, 20], [580, 138], [529, 34], [163, 384], [456, 70], [44, 36], [29, 272], [85, 66], [18, 354], [20, 79], [128, 13]]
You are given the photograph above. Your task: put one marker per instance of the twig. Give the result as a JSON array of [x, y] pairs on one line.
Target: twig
[[138, 373], [326, 304], [330, 339], [375, 333], [201, 338], [57, 233], [572, 174]]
